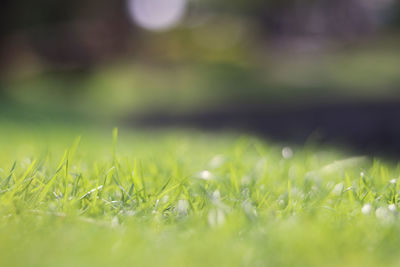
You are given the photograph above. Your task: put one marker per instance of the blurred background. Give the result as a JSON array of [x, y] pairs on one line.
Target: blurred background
[[328, 70]]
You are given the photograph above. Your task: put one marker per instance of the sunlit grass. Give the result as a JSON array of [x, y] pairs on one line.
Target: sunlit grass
[[178, 198]]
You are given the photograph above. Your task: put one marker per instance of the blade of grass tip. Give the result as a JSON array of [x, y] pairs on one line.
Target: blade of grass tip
[[188, 198], [74, 146], [131, 189], [70, 156], [121, 187], [350, 191], [289, 188], [142, 180], [114, 144], [75, 187], [163, 193], [129, 170], [97, 189], [233, 179], [19, 182], [116, 178], [25, 190], [62, 162], [21, 188], [137, 181], [96, 193], [67, 163], [66, 176], [164, 186], [363, 197], [365, 182], [28, 170], [178, 192], [106, 178], [132, 178], [384, 174], [360, 186], [50, 182], [7, 180]]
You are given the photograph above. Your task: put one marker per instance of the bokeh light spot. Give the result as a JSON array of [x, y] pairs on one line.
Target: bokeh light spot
[[157, 15]]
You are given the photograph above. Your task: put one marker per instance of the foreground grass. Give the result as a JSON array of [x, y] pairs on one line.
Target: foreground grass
[[190, 199]]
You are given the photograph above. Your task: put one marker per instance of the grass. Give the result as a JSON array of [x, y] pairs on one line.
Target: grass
[[185, 198]]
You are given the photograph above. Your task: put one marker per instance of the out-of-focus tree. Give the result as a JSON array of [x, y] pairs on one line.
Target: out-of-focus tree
[[333, 18], [65, 33], [396, 14], [84, 32]]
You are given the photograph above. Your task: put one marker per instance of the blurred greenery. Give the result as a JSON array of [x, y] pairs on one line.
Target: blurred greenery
[[355, 73], [89, 59]]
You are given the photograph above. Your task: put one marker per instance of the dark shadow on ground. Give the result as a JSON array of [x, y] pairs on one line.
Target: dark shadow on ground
[[370, 128]]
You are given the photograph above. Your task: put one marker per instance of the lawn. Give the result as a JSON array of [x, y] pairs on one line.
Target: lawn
[[94, 196]]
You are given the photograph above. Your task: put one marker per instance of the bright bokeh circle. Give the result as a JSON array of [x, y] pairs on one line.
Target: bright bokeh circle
[[157, 15]]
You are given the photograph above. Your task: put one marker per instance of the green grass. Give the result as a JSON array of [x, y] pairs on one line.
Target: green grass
[[185, 198]]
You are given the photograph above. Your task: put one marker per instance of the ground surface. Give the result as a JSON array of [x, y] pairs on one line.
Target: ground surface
[[179, 198]]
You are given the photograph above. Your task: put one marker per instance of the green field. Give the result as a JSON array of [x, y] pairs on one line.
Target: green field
[[84, 196]]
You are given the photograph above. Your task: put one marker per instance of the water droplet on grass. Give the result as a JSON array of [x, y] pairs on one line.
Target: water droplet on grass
[[205, 175], [384, 215], [183, 206], [165, 199], [216, 196], [366, 209], [392, 207], [338, 189], [287, 153]]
